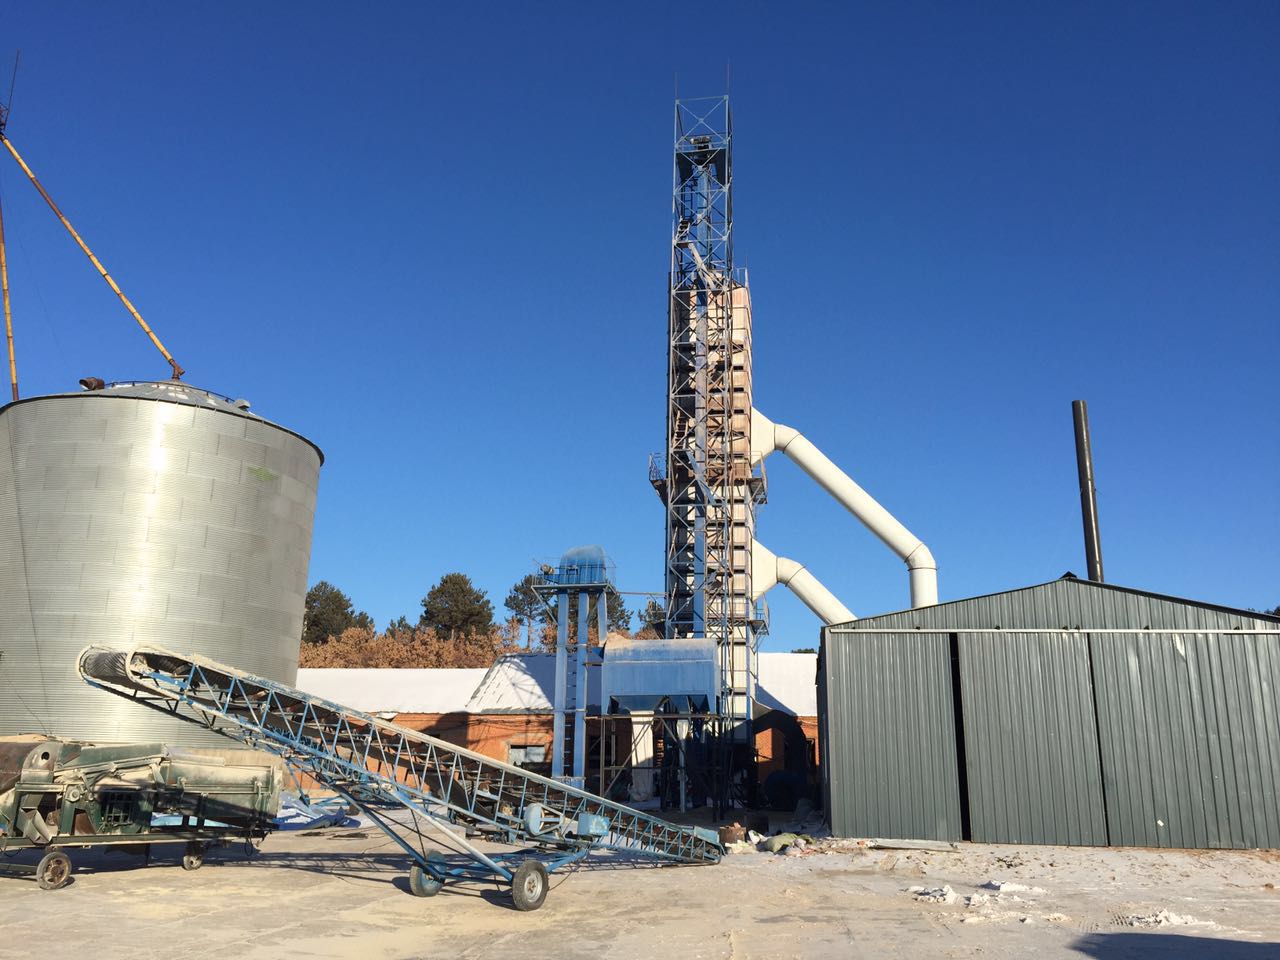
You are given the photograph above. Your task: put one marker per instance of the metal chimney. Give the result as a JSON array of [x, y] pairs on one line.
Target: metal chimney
[[1088, 491]]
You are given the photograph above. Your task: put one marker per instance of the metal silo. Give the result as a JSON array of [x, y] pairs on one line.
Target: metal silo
[[145, 512]]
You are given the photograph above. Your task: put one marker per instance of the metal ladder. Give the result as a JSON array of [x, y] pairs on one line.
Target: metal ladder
[[382, 768]]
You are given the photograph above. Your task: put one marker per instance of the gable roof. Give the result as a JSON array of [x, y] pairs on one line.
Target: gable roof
[[1073, 603], [525, 683]]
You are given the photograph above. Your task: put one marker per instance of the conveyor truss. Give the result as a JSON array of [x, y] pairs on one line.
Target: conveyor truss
[[388, 770]]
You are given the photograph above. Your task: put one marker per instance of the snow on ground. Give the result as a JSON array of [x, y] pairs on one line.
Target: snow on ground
[[343, 893]]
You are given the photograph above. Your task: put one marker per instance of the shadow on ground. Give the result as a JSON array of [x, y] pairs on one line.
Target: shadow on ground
[[1171, 946]]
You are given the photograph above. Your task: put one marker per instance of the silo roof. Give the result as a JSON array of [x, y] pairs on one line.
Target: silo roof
[[170, 391]]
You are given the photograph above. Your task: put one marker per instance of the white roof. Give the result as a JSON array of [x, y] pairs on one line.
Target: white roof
[[525, 683], [789, 682], [437, 690]]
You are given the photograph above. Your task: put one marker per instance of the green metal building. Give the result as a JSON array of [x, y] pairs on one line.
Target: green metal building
[[1070, 712]]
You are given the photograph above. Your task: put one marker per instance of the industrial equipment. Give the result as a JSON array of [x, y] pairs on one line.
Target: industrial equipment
[[61, 794], [388, 771], [712, 479], [152, 511], [582, 585]]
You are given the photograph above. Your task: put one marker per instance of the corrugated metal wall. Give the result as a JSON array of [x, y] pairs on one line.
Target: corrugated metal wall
[[150, 513], [1165, 736], [1030, 741], [1190, 738], [890, 750]]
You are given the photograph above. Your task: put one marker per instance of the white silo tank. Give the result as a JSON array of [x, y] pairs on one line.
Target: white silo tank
[[145, 512]]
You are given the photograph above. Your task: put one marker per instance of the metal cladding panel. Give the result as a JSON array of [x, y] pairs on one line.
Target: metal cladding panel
[[1187, 721], [1190, 732], [1070, 604], [639, 668], [157, 513], [1030, 740], [890, 735]]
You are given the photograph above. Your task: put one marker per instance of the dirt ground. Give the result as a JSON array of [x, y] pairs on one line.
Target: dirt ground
[[344, 893]]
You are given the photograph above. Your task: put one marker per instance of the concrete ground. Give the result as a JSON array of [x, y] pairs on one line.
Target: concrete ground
[[343, 893]]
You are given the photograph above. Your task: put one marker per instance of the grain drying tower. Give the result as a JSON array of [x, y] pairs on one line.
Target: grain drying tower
[[711, 478], [145, 512]]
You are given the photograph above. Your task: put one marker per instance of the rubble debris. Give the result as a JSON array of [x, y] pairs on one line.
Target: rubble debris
[[942, 894], [1165, 918], [781, 841], [1008, 886]]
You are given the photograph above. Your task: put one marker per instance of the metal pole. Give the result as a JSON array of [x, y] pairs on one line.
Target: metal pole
[[177, 370], [561, 687], [8, 315], [1088, 491]]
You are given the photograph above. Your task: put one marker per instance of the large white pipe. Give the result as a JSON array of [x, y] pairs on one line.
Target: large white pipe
[[767, 436], [769, 570]]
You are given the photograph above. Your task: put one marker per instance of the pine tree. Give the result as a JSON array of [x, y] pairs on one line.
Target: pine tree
[[524, 604], [455, 608], [328, 612]]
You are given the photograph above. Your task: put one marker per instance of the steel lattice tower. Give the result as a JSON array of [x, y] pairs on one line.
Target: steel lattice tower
[[709, 489]]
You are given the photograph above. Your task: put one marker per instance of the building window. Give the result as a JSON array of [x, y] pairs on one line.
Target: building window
[[526, 755]]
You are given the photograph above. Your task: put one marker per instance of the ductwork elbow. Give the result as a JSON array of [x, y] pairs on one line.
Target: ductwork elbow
[[769, 570], [921, 559], [923, 571], [767, 436]]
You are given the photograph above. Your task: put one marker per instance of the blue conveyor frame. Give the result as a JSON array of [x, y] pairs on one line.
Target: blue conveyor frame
[[382, 767]]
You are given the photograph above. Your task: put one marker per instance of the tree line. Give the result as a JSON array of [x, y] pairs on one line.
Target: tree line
[[456, 626]]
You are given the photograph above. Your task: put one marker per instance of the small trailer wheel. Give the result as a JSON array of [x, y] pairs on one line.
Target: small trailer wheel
[[54, 871], [529, 885], [193, 856], [421, 882]]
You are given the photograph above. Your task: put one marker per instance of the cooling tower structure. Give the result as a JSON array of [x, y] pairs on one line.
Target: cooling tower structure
[[145, 512]]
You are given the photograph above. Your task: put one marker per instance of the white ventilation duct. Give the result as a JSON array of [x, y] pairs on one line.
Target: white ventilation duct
[[769, 570], [767, 436]]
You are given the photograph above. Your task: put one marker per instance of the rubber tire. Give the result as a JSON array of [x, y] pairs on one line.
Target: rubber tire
[[193, 856], [529, 885], [421, 882], [54, 870]]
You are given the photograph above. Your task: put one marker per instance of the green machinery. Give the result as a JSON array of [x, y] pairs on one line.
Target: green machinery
[[58, 794]]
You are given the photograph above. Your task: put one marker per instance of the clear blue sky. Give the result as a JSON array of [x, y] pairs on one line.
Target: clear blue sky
[[434, 239]]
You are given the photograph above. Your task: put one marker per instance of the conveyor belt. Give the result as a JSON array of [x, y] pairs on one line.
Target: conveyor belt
[[380, 765]]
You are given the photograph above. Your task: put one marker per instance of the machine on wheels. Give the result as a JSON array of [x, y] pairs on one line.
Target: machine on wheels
[[414, 787], [57, 795]]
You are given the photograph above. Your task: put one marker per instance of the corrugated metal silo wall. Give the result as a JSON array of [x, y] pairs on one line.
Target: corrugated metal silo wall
[[127, 520], [890, 753], [1180, 746]]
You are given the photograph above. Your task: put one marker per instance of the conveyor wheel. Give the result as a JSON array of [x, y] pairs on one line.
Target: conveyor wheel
[[193, 856], [54, 871], [529, 885], [421, 882]]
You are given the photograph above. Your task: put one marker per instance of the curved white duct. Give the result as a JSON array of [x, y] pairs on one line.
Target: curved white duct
[[767, 436], [769, 570]]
